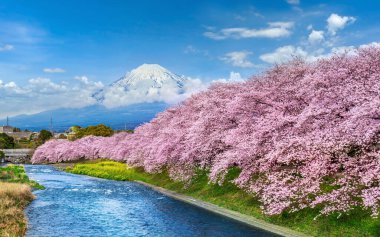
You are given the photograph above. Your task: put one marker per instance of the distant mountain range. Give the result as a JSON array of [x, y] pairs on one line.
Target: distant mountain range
[[130, 101], [118, 118]]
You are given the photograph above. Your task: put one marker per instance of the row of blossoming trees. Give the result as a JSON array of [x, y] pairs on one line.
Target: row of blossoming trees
[[303, 134]]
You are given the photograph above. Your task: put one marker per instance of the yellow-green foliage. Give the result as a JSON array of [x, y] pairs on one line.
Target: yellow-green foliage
[[106, 170], [98, 130], [231, 197], [16, 174]]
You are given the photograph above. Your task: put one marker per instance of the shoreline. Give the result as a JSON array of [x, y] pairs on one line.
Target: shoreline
[[232, 201], [208, 206], [227, 213], [237, 216]]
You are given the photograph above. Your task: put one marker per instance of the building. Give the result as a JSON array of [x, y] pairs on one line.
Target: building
[[23, 135], [18, 135], [6, 129], [60, 135]]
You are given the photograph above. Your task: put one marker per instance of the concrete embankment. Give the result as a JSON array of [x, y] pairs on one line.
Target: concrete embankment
[[249, 220]]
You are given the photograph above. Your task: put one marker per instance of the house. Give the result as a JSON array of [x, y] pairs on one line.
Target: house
[[16, 133], [6, 129], [23, 135]]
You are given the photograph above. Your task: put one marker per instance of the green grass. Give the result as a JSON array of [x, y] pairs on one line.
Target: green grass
[[16, 174], [357, 223], [15, 196]]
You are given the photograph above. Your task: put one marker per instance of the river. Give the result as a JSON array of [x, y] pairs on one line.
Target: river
[[75, 205]]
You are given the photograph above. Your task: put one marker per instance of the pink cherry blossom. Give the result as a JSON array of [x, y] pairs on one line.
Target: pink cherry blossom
[[303, 135]]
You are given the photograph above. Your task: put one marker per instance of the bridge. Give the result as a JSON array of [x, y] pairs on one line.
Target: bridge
[[17, 155]]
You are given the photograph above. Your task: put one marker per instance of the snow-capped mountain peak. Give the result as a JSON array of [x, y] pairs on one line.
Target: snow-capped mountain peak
[[153, 75], [148, 82]]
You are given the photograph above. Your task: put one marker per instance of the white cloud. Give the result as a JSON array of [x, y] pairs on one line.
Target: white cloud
[[190, 49], [54, 70], [287, 53], [282, 24], [41, 94], [234, 77], [238, 59], [143, 92], [87, 82], [316, 36], [82, 79], [340, 50], [6, 47], [373, 44], [351, 50], [283, 54], [336, 22], [11, 87], [293, 2], [45, 86], [275, 30]]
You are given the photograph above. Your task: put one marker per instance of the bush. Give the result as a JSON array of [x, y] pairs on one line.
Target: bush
[[98, 130], [6, 142], [44, 136]]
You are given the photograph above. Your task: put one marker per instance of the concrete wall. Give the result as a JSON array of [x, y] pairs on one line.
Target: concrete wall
[[17, 156]]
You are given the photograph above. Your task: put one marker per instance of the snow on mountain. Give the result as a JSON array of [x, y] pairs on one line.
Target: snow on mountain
[[149, 75], [147, 83]]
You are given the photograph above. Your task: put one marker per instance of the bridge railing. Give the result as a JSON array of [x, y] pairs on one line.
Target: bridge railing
[[17, 155], [17, 152]]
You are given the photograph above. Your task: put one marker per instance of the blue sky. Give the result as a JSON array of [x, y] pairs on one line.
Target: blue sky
[[49, 47]]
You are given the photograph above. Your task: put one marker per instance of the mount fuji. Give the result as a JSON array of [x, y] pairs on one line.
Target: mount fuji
[[147, 83], [134, 99]]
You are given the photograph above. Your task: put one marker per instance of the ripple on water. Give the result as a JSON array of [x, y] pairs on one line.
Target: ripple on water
[[73, 205]]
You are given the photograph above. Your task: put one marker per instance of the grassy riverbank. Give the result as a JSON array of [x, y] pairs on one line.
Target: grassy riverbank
[[358, 223], [15, 195]]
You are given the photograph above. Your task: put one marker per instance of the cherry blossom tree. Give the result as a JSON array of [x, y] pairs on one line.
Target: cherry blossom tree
[[304, 135]]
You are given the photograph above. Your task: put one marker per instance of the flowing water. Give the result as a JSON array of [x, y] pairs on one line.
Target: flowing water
[[75, 205]]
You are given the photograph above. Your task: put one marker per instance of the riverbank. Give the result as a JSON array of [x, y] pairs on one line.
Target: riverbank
[[228, 196], [15, 196], [249, 220], [80, 205]]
